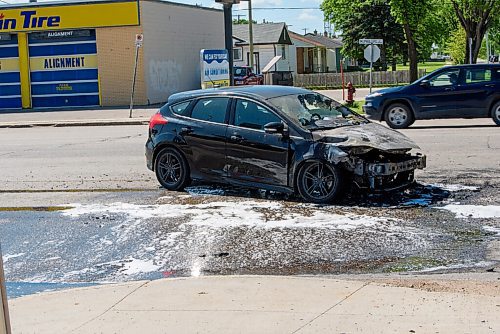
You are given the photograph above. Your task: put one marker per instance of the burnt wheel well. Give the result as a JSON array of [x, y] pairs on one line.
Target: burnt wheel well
[[391, 102], [164, 146]]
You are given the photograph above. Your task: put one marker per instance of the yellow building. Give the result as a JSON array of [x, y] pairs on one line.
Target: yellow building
[[82, 54]]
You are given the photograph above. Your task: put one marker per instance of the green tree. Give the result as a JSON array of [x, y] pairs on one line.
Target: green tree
[[366, 19], [421, 24], [456, 45], [476, 17], [243, 21]]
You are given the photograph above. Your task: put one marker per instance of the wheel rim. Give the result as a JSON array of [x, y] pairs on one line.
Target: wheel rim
[[398, 116], [319, 181], [497, 113], [170, 169]]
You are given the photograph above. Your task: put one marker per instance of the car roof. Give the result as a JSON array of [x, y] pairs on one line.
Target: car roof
[[259, 92], [471, 65]]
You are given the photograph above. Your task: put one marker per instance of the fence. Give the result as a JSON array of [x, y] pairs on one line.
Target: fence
[[334, 80]]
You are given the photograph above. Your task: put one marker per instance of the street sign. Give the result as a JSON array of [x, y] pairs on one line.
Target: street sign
[[367, 41], [372, 53], [139, 39]]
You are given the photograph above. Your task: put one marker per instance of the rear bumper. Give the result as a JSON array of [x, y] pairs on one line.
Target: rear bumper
[[149, 155]]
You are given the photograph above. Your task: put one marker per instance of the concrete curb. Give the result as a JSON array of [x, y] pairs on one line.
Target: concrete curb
[[75, 123]]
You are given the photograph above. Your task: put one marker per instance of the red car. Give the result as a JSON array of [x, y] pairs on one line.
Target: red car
[[243, 75]]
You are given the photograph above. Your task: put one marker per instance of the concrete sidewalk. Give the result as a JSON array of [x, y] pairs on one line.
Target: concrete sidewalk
[[267, 304], [92, 117]]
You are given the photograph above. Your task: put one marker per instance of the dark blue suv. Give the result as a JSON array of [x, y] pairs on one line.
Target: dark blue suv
[[462, 91]]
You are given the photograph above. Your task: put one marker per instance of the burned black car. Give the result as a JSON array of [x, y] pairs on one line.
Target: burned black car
[[277, 138]]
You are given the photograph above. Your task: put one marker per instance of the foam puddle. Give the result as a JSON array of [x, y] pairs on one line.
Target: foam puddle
[[473, 211], [453, 187], [258, 214]]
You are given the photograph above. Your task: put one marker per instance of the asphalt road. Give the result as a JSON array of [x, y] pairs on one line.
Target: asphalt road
[[78, 205]]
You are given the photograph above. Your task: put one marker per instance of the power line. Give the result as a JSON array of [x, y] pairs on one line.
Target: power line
[[8, 3], [280, 8]]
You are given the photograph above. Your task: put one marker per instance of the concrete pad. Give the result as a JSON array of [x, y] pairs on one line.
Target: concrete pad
[[386, 309], [243, 293], [186, 322], [64, 311]]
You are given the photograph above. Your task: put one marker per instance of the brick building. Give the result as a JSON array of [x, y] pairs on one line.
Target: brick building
[[82, 53]]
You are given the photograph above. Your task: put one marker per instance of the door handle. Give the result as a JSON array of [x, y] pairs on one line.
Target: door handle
[[449, 89], [186, 130], [490, 85], [237, 138]]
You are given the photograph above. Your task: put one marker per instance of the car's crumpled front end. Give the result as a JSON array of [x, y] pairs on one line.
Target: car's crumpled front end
[[380, 159]]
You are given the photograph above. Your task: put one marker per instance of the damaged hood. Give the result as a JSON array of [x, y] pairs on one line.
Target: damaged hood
[[366, 135]]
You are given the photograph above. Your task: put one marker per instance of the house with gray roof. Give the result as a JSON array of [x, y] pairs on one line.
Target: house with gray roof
[[316, 53], [269, 39]]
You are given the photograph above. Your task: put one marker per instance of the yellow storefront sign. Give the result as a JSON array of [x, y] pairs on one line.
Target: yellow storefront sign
[[69, 17], [63, 62], [9, 65]]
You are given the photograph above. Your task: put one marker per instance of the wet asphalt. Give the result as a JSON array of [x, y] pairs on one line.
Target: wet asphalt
[[212, 230]]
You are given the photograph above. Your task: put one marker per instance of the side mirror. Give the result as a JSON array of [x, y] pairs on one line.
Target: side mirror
[[274, 128], [425, 83]]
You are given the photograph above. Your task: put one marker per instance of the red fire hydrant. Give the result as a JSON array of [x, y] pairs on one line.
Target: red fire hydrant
[[350, 93]]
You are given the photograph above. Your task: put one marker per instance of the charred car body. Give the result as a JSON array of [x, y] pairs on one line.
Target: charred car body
[[277, 138]]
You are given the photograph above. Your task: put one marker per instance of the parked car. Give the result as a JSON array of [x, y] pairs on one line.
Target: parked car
[[244, 75], [285, 139], [463, 91]]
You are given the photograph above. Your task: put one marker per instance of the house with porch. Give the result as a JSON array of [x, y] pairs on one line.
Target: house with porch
[[316, 53], [269, 40]]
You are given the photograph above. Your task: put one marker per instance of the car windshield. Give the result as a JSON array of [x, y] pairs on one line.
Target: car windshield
[[239, 71], [313, 111]]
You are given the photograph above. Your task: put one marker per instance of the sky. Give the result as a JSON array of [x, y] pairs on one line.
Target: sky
[[309, 16]]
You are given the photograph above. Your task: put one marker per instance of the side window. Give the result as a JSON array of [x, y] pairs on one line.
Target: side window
[[253, 116], [211, 109], [181, 108], [447, 78], [478, 75], [497, 74]]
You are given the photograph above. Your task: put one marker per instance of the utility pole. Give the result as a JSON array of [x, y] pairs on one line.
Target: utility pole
[[250, 35], [305, 31]]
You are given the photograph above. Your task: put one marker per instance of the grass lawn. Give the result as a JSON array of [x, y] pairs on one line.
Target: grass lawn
[[358, 107], [428, 66]]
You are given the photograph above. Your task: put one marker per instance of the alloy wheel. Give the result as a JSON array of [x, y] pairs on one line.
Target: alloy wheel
[[170, 169], [319, 181]]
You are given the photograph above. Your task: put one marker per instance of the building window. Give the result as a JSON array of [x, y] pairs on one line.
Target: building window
[[283, 52], [237, 54]]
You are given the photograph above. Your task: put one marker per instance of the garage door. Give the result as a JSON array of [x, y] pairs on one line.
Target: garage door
[[10, 85], [63, 67]]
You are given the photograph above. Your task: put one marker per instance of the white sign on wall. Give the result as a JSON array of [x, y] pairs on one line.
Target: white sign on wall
[[214, 68]]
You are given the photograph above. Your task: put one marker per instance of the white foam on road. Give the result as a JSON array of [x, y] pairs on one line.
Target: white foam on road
[[453, 187], [226, 214], [473, 211], [7, 257]]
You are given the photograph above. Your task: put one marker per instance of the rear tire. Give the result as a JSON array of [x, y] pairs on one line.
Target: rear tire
[[399, 116], [495, 113], [319, 182], [172, 169]]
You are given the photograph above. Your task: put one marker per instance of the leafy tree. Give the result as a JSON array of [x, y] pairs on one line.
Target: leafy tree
[[476, 17], [243, 21], [366, 19], [421, 23]]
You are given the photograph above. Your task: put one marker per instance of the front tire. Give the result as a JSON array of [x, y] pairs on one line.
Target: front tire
[[399, 116], [495, 113], [319, 182], [172, 170]]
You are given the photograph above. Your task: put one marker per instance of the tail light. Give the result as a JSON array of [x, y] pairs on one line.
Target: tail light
[[157, 119]]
